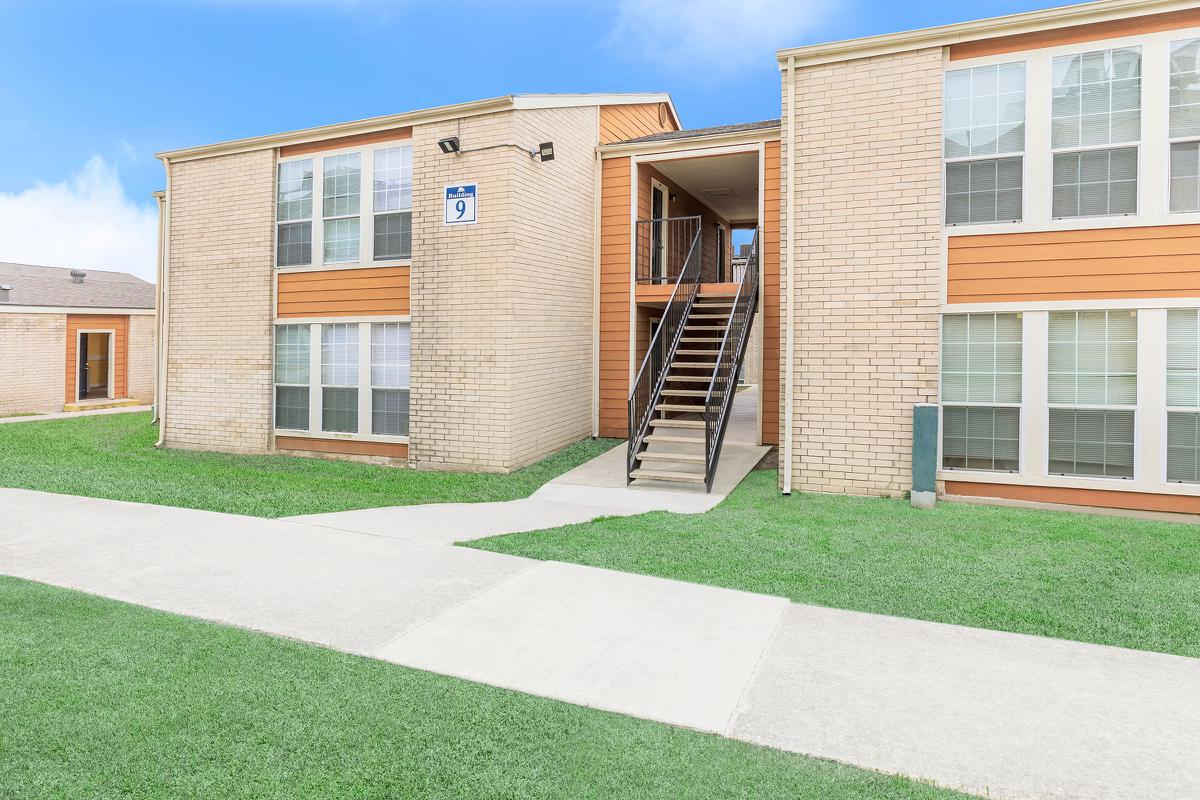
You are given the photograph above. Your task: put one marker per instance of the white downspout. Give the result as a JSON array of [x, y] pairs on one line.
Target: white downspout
[[789, 357], [159, 197], [164, 312]]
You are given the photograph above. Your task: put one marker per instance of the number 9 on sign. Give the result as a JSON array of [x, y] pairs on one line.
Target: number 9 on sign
[[461, 201]]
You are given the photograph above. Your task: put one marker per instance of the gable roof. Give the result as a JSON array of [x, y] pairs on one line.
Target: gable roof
[[423, 116], [1009, 25], [52, 286]]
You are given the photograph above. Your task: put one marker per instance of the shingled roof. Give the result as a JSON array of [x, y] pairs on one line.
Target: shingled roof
[[31, 285]]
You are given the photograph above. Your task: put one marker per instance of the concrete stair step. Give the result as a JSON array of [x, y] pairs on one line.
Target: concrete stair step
[[689, 378], [685, 392], [692, 424], [93, 405], [696, 409], [666, 475], [678, 458], [661, 438]]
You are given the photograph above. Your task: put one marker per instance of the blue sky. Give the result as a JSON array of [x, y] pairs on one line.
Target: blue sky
[[89, 91]]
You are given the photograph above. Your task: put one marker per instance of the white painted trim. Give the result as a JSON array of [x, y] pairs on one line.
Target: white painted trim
[[944, 35], [633, 215], [1072, 305], [788, 195], [711, 142], [164, 310], [112, 366], [597, 230], [340, 320], [77, 310], [696, 152], [400, 262], [762, 292]]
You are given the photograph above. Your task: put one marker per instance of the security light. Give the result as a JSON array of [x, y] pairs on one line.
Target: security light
[[546, 151], [449, 145]]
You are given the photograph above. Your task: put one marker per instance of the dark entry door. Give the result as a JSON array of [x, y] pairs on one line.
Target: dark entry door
[[81, 386], [658, 203]]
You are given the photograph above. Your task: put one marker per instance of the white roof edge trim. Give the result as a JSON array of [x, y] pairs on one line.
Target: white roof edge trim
[[992, 27], [418, 117], [692, 142], [13, 308]]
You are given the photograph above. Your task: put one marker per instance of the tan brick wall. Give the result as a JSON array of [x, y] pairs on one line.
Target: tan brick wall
[[141, 358], [867, 266], [219, 354], [33, 350], [553, 274], [502, 310]]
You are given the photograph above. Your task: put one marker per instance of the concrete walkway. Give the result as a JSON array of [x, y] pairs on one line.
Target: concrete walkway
[[70, 414], [591, 490], [992, 713]]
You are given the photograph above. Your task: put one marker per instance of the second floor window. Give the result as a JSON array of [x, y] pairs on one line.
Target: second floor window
[[1096, 106], [984, 141], [1184, 128], [326, 213]]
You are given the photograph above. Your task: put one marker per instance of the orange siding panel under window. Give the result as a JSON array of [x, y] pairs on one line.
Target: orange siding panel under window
[[614, 296], [1076, 34], [342, 446], [372, 291], [620, 123], [1110, 263], [119, 324], [771, 320], [1102, 498]]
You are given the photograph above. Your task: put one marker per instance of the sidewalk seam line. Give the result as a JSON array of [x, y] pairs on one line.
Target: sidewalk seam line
[[728, 729]]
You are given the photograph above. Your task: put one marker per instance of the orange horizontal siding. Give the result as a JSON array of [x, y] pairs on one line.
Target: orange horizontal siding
[[372, 291], [1100, 498], [771, 322], [1131, 26], [345, 141], [1111, 263], [342, 446], [614, 295], [620, 123], [96, 322]]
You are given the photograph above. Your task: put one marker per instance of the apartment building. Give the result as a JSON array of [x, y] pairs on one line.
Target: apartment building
[[1000, 217]]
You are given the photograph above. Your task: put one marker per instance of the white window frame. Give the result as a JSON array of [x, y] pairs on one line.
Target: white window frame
[[275, 384], [1153, 148], [315, 384], [1173, 140], [972, 227], [366, 215]]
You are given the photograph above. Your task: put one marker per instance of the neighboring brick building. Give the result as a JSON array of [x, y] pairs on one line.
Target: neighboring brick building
[[71, 339]]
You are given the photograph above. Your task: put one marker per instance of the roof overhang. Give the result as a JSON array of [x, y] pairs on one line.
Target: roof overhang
[[942, 36], [17, 308], [420, 117], [690, 142]]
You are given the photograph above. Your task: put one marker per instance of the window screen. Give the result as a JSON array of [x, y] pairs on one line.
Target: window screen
[[291, 377], [1185, 176], [1093, 358], [981, 438], [1091, 443], [293, 213], [341, 187], [984, 115], [1183, 358], [390, 375], [1185, 89], [339, 378], [1095, 182], [1183, 447], [981, 358]]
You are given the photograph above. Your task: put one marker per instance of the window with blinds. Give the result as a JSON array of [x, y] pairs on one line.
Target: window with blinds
[[391, 359], [291, 377], [1092, 391], [1184, 127], [1183, 395], [339, 378], [984, 142], [1096, 104], [981, 391]]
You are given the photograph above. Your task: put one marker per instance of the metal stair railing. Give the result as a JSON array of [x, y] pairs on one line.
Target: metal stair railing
[[723, 387], [647, 387]]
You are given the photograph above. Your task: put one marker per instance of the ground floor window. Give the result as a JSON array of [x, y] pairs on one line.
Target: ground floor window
[[343, 378], [981, 391]]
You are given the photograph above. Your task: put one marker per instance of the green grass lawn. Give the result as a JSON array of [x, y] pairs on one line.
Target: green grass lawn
[[113, 456], [1091, 578], [105, 700]]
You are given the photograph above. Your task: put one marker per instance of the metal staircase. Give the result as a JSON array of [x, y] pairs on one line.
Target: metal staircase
[[678, 413]]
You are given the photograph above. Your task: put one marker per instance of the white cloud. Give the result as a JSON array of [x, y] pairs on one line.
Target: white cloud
[[85, 222], [715, 34]]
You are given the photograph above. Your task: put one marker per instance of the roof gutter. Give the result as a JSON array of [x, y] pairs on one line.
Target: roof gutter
[[943, 35]]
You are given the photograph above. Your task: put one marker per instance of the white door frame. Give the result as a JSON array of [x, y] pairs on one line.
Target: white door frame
[[112, 349], [655, 183]]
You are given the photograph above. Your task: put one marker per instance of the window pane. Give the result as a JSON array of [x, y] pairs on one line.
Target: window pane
[[981, 438], [339, 355], [984, 191], [981, 358], [1183, 357], [293, 199], [389, 412], [1183, 447], [341, 185], [984, 111], [291, 408], [1093, 357], [1091, 443], [341, 240], [291, 354], [1095, 183], [391, 350], [339, 410], [392, 185], [293, 244], [1185, 176], [1185, 88], [1096, 98], [393, 235]]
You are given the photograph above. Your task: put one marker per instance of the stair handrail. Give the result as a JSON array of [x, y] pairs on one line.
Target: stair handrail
[[646, 386], [723, 386]]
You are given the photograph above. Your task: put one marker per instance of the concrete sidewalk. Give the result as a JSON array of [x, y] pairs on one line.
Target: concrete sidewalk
[[97, 412], [992, 713]]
